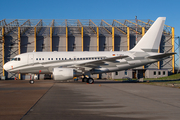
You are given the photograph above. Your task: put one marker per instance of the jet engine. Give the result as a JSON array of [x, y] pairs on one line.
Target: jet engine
[[63, 73]]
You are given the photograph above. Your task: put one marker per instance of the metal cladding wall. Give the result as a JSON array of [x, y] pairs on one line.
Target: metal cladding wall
[[21, 36]]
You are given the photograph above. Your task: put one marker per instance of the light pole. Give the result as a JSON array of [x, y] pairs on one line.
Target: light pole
[[136, 28]]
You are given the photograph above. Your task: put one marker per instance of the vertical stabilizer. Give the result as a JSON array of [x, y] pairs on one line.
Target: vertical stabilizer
[[151, 40]]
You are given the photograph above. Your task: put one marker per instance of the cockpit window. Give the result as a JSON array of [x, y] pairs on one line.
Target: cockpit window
[[16, 59]]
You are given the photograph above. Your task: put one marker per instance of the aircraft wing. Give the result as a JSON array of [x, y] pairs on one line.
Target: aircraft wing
[[97, 63], [161, 56]]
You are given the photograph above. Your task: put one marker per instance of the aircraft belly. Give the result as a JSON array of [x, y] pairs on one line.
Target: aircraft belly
[[38, 69]]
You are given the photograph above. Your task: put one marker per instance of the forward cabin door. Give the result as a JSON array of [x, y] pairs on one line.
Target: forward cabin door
[[30, 59]]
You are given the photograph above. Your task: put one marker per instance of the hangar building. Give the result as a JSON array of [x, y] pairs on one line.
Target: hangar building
[[26, 35]]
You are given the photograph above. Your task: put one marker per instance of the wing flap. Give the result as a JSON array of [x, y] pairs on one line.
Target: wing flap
[[101, 62], [112, 59]]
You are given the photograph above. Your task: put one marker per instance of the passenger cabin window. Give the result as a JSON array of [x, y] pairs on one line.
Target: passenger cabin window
[[48, 58], [51, 58], [42, 58], [39, 58]]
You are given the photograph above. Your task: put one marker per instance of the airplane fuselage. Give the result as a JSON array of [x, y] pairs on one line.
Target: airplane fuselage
[[44, 62]]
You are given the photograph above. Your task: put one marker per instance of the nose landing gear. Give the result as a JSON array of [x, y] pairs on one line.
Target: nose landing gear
[[31, 81]]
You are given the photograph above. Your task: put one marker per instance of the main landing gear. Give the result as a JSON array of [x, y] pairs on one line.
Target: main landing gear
[[88, 80]]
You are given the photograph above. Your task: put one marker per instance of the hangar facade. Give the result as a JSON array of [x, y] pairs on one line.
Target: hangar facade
[[26, 35]]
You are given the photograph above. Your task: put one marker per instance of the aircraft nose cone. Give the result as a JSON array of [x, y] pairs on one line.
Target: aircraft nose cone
[[7, 67]]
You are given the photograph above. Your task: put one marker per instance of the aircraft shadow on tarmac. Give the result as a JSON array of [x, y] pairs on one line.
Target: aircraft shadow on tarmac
[[99, 81], [115, 82]]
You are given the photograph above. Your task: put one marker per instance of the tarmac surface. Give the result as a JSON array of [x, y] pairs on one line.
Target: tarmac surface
[[103, 100]]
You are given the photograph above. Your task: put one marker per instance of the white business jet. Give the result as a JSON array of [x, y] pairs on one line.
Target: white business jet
[[66, 65]]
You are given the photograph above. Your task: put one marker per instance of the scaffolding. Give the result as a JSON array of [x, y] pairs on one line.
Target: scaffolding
[[24, 35]]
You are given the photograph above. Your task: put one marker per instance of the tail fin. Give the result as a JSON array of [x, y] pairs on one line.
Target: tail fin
[[151, 40]]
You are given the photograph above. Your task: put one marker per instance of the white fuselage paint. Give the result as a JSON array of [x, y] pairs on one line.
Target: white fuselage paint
[[33, 63]]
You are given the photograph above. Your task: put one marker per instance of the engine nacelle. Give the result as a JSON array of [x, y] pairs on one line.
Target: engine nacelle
[[63, 73]]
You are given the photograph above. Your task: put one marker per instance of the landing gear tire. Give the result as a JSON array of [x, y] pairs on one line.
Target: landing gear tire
[[31, 81], [90, 80], [85, 79]]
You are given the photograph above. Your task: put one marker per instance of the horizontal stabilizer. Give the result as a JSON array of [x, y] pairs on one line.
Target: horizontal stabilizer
[[161, 56]]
